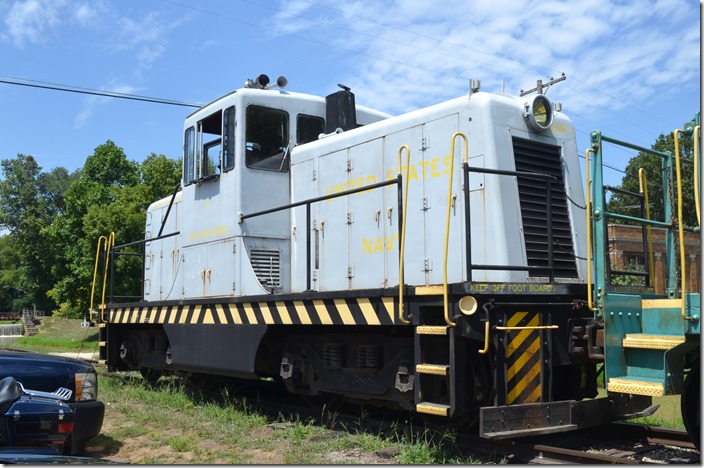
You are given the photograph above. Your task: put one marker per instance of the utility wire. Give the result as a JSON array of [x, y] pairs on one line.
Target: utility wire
[[94, 92]]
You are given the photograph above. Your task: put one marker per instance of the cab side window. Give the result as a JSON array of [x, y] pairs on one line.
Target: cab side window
[[189, 156], [267, 139], [228, 139], [209, 144], [308, 127]]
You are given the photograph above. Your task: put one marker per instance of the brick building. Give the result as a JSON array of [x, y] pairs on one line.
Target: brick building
[[626, 250]]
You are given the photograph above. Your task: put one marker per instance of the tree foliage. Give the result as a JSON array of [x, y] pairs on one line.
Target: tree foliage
[[53, 221], [30, 200]]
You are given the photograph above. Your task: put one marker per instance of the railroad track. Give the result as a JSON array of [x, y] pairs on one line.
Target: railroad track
[[615, 443]]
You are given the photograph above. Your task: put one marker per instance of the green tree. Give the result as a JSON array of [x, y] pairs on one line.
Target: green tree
[[111, 195], [160, 174], [652, 164], [25, 210], [73, 254], [108, 166], [13, 297]]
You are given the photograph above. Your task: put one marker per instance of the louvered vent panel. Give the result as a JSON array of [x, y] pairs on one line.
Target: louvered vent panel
[[544, 159], [267, 267]]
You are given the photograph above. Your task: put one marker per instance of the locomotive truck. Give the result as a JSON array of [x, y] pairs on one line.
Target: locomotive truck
[[434, 261]]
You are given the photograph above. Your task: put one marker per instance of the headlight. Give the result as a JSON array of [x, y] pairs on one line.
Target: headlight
[[86, 386], [539, 112]]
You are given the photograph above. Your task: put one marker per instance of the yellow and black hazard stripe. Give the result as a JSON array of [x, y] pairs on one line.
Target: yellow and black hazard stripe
[[338, 311], [523, 358]]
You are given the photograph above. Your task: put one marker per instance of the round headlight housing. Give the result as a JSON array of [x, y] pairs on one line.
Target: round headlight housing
[[539, 112]]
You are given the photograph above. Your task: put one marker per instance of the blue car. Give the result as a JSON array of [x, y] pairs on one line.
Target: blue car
[[47, 373]]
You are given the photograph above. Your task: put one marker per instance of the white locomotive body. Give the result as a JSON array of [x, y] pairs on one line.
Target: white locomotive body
[[356, 238], [433, 261]]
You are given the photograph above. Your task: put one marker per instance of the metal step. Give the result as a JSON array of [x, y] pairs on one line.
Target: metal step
[[436, 409], [433, 369], [661, 316], [646, 341], [633, 386], [432, 329]]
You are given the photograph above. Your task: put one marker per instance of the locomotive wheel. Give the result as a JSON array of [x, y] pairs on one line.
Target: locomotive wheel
[[691, 406]]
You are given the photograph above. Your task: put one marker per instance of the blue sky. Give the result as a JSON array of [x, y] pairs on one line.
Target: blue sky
[[633, 67]]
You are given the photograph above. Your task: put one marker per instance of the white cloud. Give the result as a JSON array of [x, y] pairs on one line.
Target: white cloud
[[30, 21], [87, 14], [402, 53], [146, 37]]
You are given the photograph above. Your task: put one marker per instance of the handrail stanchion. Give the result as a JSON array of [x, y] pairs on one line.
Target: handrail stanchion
[[680, 225], [697, 135], [590, 302], [447, 223], [402, 227], [110, 242], [95, 276]]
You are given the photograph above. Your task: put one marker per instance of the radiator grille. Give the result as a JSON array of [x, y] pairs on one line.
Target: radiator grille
[[267, 267], [536, 157]]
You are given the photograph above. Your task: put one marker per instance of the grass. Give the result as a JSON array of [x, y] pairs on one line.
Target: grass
[[58, 334], [178, 423], [172, 423]]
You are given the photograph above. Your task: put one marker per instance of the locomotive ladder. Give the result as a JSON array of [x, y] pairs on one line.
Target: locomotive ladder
[[435, 366], [436, 356]]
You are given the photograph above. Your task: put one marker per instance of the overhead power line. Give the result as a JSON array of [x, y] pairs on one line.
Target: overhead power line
[[90, 91]]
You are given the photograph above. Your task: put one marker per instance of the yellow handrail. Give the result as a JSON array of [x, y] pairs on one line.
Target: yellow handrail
[[401, 317], [95, 274], [643, 180], [697, 135], [680, 229], [447, 223], [537, 327], [109, 241], [590, 298], [108, 245], [486, 338]]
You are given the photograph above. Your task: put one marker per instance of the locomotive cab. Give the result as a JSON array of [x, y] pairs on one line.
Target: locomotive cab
[[236, 158]]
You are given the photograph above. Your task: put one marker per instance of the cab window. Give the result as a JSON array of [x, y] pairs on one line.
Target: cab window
[[209, 147], [308, 128], [209, 144], [267, 139], [189, 156], [228, 139]]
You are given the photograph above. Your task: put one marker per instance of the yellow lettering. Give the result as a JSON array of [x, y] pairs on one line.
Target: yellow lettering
[[367, 246], [434, 167], [412, 174], [378, 246], [447, 161], [390, 243]]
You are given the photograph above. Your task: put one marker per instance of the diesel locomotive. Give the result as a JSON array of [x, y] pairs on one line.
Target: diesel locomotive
[[435, 261]]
